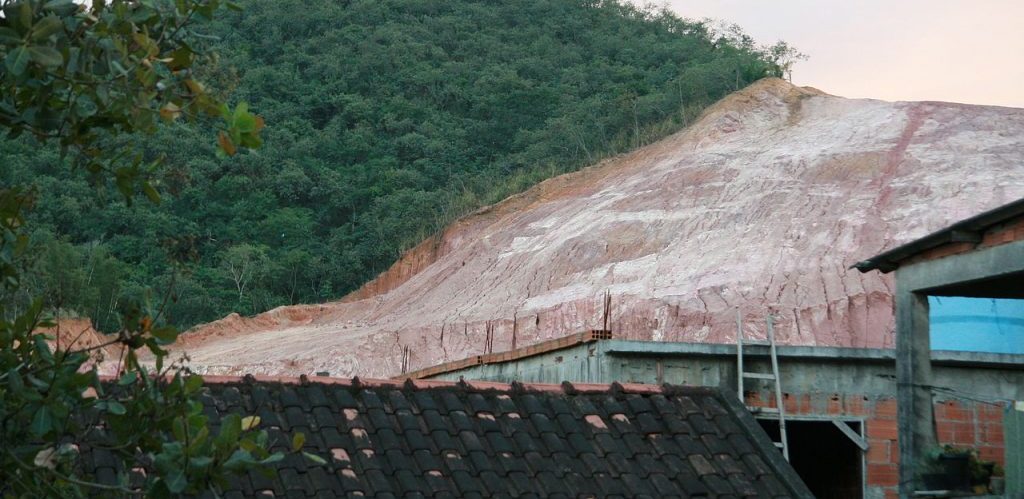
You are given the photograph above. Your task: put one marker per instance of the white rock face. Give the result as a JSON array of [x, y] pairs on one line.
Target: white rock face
[[763, 204]]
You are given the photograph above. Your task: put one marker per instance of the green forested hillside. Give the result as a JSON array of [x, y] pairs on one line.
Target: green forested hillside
[[385, 120]]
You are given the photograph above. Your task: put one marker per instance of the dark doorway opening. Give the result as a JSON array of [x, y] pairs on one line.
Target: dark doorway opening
[[826, 459]]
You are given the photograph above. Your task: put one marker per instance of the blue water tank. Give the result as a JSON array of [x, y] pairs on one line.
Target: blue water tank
[[976, 324]]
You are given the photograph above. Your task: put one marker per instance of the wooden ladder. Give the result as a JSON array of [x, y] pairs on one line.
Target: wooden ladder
[[779, 410]]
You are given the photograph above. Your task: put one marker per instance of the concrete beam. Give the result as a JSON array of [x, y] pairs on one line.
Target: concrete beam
[[914, 416], [984, 263], [846, 355]]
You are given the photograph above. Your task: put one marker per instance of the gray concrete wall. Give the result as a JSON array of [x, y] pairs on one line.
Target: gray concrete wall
[[1014, 435], [869, 372], [581, 363]]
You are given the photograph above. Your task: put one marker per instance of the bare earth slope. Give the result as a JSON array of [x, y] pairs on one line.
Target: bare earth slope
[[763, 204]]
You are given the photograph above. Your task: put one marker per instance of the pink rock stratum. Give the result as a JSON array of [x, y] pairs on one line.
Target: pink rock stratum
[[763, 204]]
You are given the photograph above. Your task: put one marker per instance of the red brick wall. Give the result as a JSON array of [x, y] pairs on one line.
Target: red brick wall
[[961, 423], [1008, 233], [966, 424]]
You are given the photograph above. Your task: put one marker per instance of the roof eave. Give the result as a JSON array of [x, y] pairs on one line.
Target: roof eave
[[968, 230]]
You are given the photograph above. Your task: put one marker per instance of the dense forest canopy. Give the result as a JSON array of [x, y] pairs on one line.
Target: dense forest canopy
[[386, 119]]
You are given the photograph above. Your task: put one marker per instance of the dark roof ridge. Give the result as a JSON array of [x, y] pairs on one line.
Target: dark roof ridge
[[463, 384]]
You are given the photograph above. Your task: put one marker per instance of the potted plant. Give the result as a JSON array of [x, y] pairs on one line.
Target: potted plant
[[950, 469], [997, 482], [980, 472]]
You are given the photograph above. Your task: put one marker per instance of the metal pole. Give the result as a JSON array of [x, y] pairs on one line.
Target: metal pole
[[778, 389], [739, 355]]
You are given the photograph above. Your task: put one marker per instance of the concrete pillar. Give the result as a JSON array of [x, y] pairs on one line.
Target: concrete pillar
[[913, 379]]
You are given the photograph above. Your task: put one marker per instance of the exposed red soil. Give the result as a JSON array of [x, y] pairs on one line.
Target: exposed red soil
[[761, 205]]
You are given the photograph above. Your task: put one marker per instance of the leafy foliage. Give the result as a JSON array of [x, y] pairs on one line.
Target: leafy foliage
[[83, 77], [388, 119], [79, 76]]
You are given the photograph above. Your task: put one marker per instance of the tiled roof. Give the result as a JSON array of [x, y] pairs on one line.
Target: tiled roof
[[469, 439]]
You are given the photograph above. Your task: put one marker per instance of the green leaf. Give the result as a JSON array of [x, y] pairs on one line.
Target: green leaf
[[206, 10], [251, 140], [248, 444], [200, 461], [298, 440], [43, 349], [84, 105], [176, 481], [116, 408], [273, 458], [8, 35], [154, 197], [123, 181], [48, 118], [239, 460], [34, 380], [154, 347], [250, 423], [164, 461], [178, 428], [241, 110], [193, 383], [16, 60], [170, 111], [46, 56], [230, 430], [200, 436], [314, 458], [196, 418], [146, 43], [127, 378], [42, 422], [116, 66], [166, 334], [14, 381], [61, 7], [46, 27], [25, 14], [245, 123]]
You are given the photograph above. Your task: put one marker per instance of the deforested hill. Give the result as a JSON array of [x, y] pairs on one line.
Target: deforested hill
[[386, 120], [762, 205]]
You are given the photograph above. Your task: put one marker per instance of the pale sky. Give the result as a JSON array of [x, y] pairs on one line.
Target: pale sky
[[947, 50]]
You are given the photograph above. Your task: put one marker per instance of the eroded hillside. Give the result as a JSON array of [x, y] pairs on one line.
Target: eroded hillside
[[763, 204]]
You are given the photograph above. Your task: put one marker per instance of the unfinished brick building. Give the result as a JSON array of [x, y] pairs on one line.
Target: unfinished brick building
[[862, 422], [823, 388], [979, 258]]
